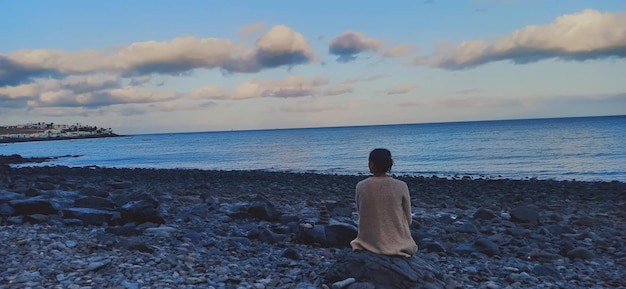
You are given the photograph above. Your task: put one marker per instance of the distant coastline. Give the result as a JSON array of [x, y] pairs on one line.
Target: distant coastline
[[31, 139], [49, 131]]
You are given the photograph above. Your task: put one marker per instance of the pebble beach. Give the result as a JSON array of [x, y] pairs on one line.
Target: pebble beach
[[484, 233]]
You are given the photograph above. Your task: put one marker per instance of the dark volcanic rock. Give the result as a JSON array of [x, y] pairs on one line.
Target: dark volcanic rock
[[484, 214], [93, 191], [94, 203], [580, 253], [46, 186], [468, 228], [264, 210], [267, 236], [547, 271], [340, 234], [557, 230], [385, 271], [524, 214], [125, 197], [6, 196], [480, 245], [35, 205], [336, 234], [6, 210], [432, 246], [141, 212], [91, 216], [119, 185]]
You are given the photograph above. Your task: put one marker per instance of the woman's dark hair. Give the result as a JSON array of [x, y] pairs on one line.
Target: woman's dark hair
[[381, 158]]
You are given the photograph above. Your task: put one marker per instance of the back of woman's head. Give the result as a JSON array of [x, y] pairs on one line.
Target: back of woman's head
[[381, 158]]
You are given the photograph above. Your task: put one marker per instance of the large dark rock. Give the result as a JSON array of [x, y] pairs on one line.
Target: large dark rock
[[93, 191], [141, 212], [484, 214], [557, 230], [546, 271], [335, 234], [264, 210], [35, 205], [468, 227], [480, 245], [267, 236], [125, 197], [94, 203], [580, 253], [6, 210], [432, 246], [6, 196], [385, 272], [120, 185], [340, 234], [91, 216], [524, 214]]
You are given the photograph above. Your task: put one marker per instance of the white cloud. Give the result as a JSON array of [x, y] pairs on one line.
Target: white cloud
[[311, 106], [209, 92], [18, 91], [364, 79], [401, 89], [337, 90], [293, 86], [281, 46], [399, 50], [581, 36], [350, 43], [251, 29]]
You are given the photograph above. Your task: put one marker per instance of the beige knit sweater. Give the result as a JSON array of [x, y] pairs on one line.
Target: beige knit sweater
[[384, 208]]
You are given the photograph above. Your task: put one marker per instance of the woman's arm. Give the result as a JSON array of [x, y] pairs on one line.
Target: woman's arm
[[406, 205]]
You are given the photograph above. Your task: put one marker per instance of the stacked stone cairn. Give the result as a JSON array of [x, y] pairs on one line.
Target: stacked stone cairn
[[324, 216]]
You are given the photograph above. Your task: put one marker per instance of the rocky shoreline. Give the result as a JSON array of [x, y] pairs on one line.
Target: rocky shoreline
[[94, 227], [32, 139]]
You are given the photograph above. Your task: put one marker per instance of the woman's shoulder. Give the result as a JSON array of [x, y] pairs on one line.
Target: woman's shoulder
[[398, 182], [364, 181]]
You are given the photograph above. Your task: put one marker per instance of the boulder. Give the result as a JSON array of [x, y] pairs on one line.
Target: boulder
[[141, 212], [35, 205], [557, 230], [484, 214], [6, 196], [46, 186], [267, 236], [120, 185], [91, 216], [125, 197], [94, 203], [547, 271], [432, 246], [524, 214], [264, 210], [480, 245], [385, 272], [6, 210], [93, 191], [468, 227], [335, 234], [580, 253], [340, 234]]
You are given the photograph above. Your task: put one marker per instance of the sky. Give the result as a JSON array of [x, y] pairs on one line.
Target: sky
[[188, 66]]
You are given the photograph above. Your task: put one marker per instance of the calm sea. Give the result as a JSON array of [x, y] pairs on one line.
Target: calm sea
[[585, 148]]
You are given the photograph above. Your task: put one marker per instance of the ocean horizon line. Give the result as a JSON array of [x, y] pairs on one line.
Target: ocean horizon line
[[375, 125]]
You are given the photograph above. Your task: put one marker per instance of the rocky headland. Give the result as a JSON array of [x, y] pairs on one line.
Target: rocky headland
[[96, 227]]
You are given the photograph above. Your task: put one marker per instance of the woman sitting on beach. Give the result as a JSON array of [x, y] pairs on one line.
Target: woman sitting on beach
[[384, 207]]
